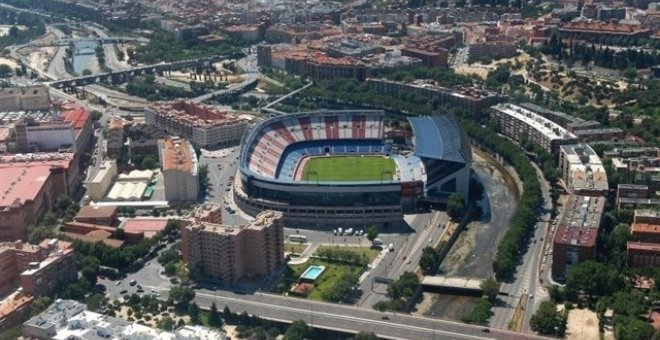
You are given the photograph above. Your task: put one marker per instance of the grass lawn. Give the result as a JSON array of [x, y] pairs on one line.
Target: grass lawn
[[371, 253], [296, 248], [329, 277], [349, 168]]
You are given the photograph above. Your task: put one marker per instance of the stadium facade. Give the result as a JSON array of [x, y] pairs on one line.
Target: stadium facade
[[432, 157]]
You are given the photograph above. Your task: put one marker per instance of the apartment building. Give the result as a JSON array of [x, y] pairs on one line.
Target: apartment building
[[235, 253], [582, 170], [577, 233], [202, 125], [29, 98], [178, 163], [491, 49], [519, 123], [40, 269]]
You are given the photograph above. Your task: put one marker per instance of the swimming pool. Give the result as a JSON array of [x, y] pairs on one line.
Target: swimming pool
[[312, 273]]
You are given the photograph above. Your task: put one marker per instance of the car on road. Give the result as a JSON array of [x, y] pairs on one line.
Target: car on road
[[123, 291], [117, 283], [139, 287], [132, 283], [385, 317]]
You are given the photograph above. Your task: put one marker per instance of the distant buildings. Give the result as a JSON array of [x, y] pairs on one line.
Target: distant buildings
[[577, 233], [234, 253], [29, 98], [68, 319], [582, 170], [469, 98], [29, 186], [519, 123], [202, 125], [591, 30], [178, 163], [644, 247]]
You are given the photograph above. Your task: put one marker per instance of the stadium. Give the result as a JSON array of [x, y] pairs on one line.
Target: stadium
[[350, 167]]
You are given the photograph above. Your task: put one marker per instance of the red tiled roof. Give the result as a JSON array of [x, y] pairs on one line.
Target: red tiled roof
[[77, 116]]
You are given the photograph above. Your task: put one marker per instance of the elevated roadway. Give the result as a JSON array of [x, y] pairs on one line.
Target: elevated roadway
[[349, 318]]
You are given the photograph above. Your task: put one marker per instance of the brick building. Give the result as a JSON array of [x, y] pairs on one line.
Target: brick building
[[577, 233], [235, 253]]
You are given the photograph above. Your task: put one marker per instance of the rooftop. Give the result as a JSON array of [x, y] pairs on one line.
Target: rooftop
[[543, 125], [263, 220], [197, 115], [77, 116], [149, 226], [70, 320], [583, 212], [89, 212], [576, 236], [603, 27], [585, 168], [178, 154], [13, 302]]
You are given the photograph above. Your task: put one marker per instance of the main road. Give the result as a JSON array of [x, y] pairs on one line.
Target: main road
[[348, 318], [525, 288]]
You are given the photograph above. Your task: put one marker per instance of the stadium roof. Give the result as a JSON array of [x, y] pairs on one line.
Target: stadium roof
[[440, 138]]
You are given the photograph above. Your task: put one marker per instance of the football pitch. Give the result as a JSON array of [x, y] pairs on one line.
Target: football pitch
[[349, 168]]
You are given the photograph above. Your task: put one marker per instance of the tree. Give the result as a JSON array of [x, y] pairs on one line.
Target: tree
[[13, 31], [182, 296], [547, 319], [193, 312], [632, 328], [594, 279], [90, 267], [428, 261], [166, 323], [490, 288], [148, 162], [40, 304], [372, 233], [203, 175], [5, 70], [455, 206], [86, 72], [365, 336], [214, 317], [297, 331]]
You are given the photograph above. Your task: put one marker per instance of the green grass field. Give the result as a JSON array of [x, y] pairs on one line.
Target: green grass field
[[349, 168]]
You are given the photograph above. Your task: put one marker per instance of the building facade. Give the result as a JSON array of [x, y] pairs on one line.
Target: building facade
[[180, 169], [520, 123], [235, 253]]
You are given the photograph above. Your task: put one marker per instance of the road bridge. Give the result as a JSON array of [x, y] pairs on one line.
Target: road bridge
[[122, 76], [454, 284]]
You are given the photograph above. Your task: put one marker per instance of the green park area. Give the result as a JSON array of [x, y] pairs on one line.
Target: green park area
[[349, 168], [334, 284]]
